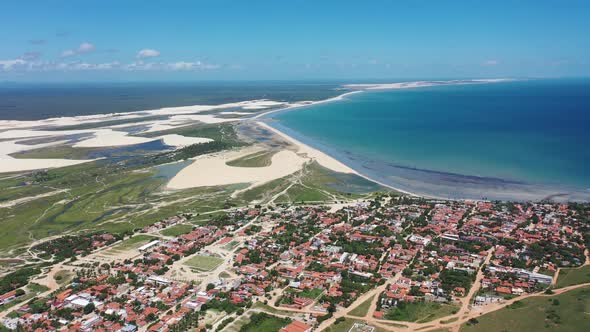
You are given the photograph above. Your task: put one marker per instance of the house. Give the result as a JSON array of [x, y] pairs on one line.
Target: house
[[7, 297], [147, 246], [296, 326]]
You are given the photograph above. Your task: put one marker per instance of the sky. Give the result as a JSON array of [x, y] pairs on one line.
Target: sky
[[129, 40]]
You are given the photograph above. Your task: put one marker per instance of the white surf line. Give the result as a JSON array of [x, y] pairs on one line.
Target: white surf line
[[330, 162], [305, 104]]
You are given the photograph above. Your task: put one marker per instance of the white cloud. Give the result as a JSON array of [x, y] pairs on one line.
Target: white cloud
[[30, 56], [44, 66], [8, 65], [183, 65], [67, 53], [82, 49], [148, 53], [85, 48], [491, 62]]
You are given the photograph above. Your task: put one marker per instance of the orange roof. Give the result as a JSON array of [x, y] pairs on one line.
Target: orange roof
[[296, 326]]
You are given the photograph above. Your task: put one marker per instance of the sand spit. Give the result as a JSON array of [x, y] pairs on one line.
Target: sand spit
[[422, 84], [322, 158]]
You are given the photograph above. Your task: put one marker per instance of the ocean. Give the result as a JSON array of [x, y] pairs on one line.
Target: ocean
[[525, 139]]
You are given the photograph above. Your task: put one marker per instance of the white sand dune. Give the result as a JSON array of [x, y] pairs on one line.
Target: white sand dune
[[180, 141], [10, 164], [212, 170], [109, 137], [170, 111], [19, 165]]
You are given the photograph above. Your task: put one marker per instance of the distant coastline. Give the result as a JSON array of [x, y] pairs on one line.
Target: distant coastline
[[406, 179]]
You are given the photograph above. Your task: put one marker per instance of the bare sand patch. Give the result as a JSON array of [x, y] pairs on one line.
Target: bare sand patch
[[212, 170]]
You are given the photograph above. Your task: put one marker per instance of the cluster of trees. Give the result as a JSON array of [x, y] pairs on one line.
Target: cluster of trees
[[222, 303], [67, 246], [455, 278], [557, 254], [361, 247], [17, 279]]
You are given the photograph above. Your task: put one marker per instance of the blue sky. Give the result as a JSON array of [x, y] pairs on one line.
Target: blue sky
[[207, 40]]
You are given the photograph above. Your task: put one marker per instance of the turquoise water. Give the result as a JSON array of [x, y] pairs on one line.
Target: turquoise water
[[460, 140]]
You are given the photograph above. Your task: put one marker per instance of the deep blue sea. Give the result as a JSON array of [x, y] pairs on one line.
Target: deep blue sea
[[507, 140]]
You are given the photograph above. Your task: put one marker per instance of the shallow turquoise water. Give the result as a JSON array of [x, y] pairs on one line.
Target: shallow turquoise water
[[534, 132]]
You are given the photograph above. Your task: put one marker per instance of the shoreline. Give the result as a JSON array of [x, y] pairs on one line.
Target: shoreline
[[330, 162], [426, 183]]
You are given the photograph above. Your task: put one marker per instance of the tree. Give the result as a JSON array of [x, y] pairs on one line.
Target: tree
[[89, 308]]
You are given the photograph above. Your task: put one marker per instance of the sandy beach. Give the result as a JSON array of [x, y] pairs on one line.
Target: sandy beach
[[209, 170]]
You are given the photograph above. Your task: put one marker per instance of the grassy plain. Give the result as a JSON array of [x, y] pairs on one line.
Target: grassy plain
[[203, 263], [346, 325], [362, 309], [573, 276], [421, 312], [134, 242], [177, 230], [562, 312]]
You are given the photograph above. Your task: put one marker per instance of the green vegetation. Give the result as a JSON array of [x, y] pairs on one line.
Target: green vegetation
[[257, 159], [69, 246], [177, 230], [450, 320], [315, 184], [30, 291], [110, 198], [540, 313], [272, 310], [203, 263], [63, 276], [224, 132], [311, 293], [455, 278], [346, 324], [102, 195], [266, 191], [57, 152], [263, 322], [91, 125], [420, 312], [573, 276], [36, 288], [362, 309], [17, 279]]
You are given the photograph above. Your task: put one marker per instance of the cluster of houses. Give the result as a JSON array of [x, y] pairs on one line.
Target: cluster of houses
[[310, 259]]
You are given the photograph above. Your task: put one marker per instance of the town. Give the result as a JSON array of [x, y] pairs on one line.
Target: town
[[377, 264]]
